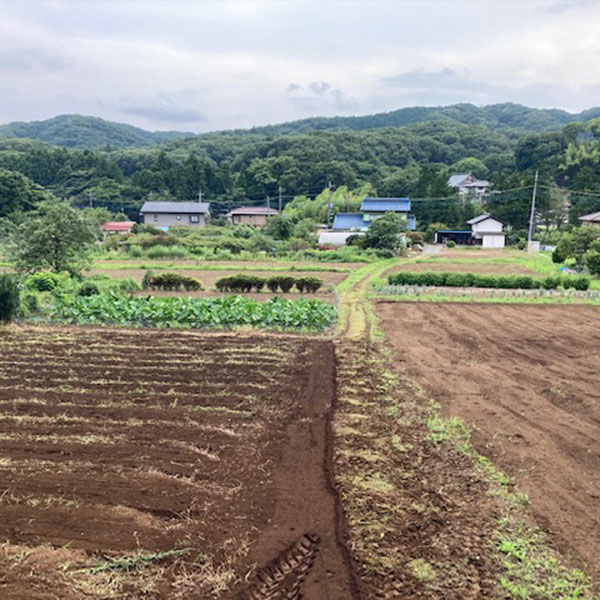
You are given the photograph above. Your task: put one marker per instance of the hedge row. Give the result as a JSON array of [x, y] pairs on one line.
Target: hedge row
[[247, 283], [170, 281], [488, 281]]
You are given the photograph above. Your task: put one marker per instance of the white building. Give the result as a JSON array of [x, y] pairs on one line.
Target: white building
[[467, 184], [488, 229]]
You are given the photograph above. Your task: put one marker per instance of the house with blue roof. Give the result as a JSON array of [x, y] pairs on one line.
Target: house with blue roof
[[346, 224]]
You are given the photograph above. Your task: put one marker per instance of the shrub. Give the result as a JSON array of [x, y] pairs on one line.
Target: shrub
[[592, 261], [147, 280], [273, 284], [173, 281], [450, 244], [286, 283], [9, 298], [88, 288], [30, 303], [557, 256], [551, 282], [308, 284], [42, 281]]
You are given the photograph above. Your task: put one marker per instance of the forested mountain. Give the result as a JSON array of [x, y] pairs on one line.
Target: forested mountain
[[78, 131], [507, 115], [410, 160]]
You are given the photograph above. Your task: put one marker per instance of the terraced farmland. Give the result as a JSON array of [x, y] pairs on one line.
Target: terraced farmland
[[165, 465]]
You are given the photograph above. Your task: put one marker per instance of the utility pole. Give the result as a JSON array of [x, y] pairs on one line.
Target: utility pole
[[280, 199], [91, 199], [268, 201], [328, 203], [200, 195], [532, 215]]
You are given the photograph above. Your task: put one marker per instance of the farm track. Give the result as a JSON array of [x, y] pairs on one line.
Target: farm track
[[525, 378]]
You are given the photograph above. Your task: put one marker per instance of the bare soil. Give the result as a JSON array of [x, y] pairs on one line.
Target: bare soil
[[116, 443], [525, 378]]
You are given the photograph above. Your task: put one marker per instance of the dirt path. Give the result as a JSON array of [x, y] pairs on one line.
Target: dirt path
[[306, 504], [525, 379]]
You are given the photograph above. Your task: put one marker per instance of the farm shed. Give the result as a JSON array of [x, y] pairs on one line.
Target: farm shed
[[117, 227]]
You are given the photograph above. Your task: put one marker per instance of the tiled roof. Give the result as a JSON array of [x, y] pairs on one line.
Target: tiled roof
[[480, 218], [253, 210], [591, 218], [385, 204], [118, 225], [176, 207], [350, 221]]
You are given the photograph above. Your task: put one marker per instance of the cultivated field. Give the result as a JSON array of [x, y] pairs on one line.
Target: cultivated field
[[525, 378], [446, 266], [157, 465]]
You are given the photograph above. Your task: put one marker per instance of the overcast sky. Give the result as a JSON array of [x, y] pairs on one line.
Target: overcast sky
[[200, 66]]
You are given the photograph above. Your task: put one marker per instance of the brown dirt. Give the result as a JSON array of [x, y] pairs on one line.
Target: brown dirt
[[479, 268], [114, 443], [525, 378]]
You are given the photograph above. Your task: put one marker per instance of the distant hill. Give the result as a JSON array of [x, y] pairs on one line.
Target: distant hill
[[78, 131], [507, 115]]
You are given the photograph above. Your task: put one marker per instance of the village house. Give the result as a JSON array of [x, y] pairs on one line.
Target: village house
[[163, 215], [121, 227], [347, 224], [468, 185], [486, 231], [591, 219], [251, 215]]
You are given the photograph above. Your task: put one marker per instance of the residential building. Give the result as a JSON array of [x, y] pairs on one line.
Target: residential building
[[117, 227], [347, 224], [163, 215], [486, 231], [467, 184], [591, 219], [251, 215]]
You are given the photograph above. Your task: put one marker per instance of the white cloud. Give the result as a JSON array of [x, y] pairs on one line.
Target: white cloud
[[214, 65]]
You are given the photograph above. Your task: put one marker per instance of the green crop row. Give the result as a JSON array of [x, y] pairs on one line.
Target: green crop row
[[220, 312], [524, 282], [247, 283]]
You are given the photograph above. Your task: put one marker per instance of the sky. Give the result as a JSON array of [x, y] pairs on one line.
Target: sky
[[209, 65]]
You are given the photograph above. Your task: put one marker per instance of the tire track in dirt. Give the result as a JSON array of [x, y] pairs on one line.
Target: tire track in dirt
[[307, 512]]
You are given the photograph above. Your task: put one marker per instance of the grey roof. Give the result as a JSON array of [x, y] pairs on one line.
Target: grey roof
[[478, 183], [480, 218], [591, 218], [457, 179], [174, 208], [253, 210]]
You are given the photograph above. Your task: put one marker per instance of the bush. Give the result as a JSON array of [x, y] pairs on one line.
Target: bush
[[308, 284], [487, 281], [450, 244], [147, 280], [170, 282], [240, 283], [42, 281], [557, 257], [9, 298], [30, 303], [88, 288], [286, 283], [592, 261], [273, 284]]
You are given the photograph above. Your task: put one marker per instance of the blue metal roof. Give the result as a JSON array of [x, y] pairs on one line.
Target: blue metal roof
[[350, 221], [385, 204]]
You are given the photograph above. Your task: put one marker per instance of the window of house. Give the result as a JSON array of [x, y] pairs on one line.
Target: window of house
[[194, 219], [155, 217]]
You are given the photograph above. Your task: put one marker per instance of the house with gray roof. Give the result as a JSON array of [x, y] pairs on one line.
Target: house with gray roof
[[163, 215], [468, 184]]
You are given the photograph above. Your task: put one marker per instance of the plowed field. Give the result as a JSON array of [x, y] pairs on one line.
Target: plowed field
[[526, 379], [158, 465]]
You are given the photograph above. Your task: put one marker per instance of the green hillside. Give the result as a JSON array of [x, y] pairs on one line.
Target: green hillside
[[78, 131]]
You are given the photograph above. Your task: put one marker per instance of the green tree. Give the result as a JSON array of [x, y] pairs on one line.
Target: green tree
[[385, 233], [278, 227], [577, 243], [54, 236]]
